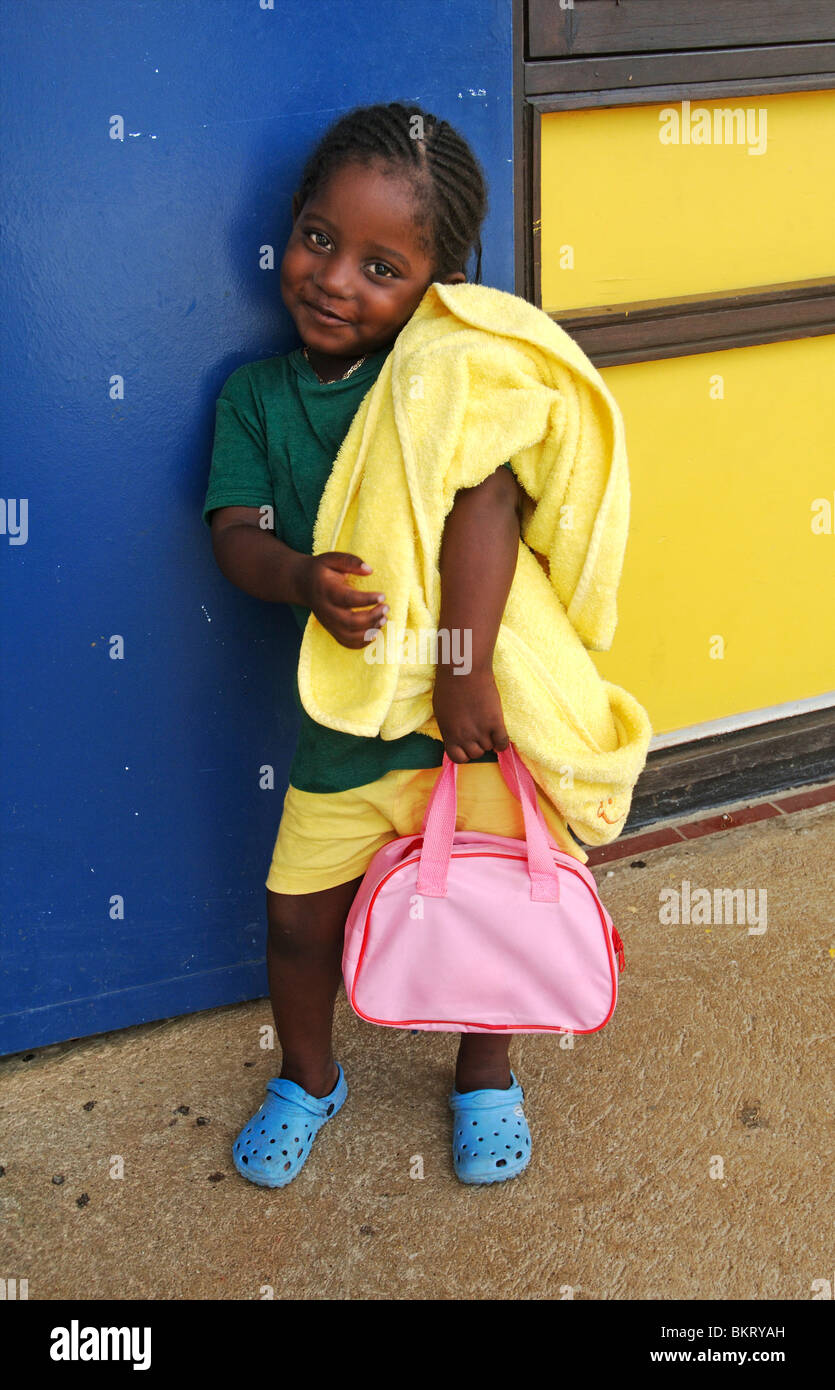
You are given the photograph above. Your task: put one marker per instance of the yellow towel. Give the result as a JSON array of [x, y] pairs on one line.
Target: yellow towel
[[476, 377]]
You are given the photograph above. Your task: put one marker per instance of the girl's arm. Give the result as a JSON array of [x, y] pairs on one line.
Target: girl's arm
[[258, 562], [478, 560], [254, 559]]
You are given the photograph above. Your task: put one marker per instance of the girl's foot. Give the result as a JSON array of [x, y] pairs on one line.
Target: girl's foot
[[491, 1141], [273, 1148]]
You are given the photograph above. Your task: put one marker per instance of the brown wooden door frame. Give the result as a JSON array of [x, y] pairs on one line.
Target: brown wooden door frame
[[594, 28], [795, 750]]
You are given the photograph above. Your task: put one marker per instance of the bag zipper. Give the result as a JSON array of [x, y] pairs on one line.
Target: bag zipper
[[618, 945]]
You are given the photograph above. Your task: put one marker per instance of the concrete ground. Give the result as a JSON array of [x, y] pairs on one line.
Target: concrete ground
[[685, 1151]]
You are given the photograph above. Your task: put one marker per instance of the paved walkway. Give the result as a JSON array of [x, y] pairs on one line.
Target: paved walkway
[[682, 1152]]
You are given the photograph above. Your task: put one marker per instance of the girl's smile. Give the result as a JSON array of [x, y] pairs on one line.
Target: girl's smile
[[356, 266], [321, 313]]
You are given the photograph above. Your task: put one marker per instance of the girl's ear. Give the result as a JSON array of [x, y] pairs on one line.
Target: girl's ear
[[456, 278]]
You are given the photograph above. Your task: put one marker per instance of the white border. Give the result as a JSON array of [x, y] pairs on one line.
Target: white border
[[741, 721]]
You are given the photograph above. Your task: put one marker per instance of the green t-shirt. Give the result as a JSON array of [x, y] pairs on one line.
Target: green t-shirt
[[278, 430]]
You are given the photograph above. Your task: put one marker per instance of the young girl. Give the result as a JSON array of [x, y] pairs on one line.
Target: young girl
[[391, 200]]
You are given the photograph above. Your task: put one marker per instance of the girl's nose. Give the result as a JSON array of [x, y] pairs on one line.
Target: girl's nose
[[334, 280]]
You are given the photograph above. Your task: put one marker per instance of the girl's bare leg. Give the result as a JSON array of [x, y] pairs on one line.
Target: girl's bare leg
[[483, 1062], [305, 937]]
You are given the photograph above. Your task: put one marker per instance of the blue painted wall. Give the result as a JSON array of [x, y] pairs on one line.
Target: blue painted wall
[[138, 257]]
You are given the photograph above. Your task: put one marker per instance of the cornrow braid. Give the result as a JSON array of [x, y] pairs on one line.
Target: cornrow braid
[[447, 179]]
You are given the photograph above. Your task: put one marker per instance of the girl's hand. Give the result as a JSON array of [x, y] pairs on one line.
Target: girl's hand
[[331, 599], [469, 713]]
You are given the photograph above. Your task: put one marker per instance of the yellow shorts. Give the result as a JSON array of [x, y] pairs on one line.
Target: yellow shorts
[[327, 838]]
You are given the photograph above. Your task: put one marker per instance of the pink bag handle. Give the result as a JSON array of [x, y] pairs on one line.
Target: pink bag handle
[[439, 827]]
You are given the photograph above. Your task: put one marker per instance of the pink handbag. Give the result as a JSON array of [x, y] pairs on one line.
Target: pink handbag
[[466, 932]]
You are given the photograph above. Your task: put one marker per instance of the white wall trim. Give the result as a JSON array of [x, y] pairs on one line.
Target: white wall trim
[[741, 721]]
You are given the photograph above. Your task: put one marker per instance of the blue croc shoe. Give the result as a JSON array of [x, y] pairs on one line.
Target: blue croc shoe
[[491, 1141], [273, 1148]]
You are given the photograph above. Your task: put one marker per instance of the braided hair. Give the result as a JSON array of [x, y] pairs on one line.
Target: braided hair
[[447, 180]]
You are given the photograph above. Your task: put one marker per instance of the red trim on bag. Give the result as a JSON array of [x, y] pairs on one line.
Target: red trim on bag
[[618, 944], [486, 1027]]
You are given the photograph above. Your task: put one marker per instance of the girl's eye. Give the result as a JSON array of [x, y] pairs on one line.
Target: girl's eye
[[379, 267]]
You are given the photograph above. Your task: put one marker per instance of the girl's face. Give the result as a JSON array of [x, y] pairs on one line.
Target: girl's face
[[355, 251]]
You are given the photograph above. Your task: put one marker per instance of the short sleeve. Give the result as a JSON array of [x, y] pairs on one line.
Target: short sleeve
[[239, 475]]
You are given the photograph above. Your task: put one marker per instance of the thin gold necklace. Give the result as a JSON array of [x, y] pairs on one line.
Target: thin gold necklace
[[336, 378]]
